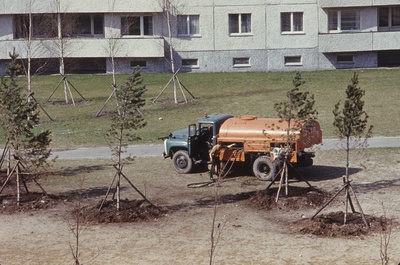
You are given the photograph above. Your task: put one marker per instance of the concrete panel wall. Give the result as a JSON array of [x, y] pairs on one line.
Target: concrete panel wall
[[360, 60], [222, 61], [6, 27], [307, 39], [309, 59], [369, 18], [253, 40], [205, 40], [260, 60]]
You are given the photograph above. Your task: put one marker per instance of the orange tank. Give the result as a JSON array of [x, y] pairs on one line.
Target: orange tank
[[263, 134]]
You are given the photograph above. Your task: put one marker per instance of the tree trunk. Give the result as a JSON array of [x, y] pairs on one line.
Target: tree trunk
[[171, 50]]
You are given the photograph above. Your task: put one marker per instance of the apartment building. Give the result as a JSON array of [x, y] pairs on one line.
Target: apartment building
[[102, 36]]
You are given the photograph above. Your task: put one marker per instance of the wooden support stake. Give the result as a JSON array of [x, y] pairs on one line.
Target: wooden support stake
[[280, 184], [76, 90], [18, 188], [359, 207], [328, 202], [108, 191], [8, 178], [134, 187]]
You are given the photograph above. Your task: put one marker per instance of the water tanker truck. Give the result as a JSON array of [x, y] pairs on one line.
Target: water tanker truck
[[258, 142]]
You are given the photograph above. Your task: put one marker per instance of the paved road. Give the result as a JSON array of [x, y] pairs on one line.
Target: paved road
[[156, 150]]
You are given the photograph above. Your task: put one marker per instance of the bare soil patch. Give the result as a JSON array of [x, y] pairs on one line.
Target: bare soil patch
[[325, 225], [332, 225], [297, 198], [33, 201], [130, 211], [254, 227]]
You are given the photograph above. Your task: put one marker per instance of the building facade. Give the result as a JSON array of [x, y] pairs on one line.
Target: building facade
[[200, 36]]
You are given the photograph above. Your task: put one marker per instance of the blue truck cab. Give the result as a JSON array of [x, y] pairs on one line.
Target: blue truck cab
[[191, 146]]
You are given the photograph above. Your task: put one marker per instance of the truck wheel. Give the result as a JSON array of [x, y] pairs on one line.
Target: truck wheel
[[182, 162], [262, 168]]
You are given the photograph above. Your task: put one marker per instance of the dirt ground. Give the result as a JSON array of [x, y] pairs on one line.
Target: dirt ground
[[253, 228]]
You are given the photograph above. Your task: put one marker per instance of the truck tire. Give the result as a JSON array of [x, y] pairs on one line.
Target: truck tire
[[182, 162], [263, 168]]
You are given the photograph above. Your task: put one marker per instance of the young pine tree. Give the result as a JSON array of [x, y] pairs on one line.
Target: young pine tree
[[351, 121], [19, 118], [299, 114], [298, 111], [298, 107], [126, 120]]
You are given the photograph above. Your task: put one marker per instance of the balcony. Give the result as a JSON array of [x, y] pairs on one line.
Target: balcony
[[386, 40], [345, 42], [356, 3], [124, 47], [359, 42], [79, 6], [85, 48], [345, 3]]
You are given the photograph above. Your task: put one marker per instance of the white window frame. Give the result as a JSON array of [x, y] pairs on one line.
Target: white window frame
[[339, 19], [191, 66], [290, 60], [240, 22], [292, 23], [141, 26], [92, 31], [390, 15], [241, 62], [189, 20]]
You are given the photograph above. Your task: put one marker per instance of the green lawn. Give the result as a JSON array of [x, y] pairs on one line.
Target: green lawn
[[234, 93]]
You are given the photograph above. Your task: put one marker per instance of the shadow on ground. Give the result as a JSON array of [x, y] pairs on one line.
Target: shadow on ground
[[89, 193]]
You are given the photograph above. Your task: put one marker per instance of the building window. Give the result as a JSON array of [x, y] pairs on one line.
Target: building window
[[140, 63], [293, 60], [344, 58], [292, 22], [137, 26], [85, 65], [241, 62], [343, 20], [389, 17], [89, 25], [188, 25], [82, 25], [190, 63], [239, 23], [43, 26]]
